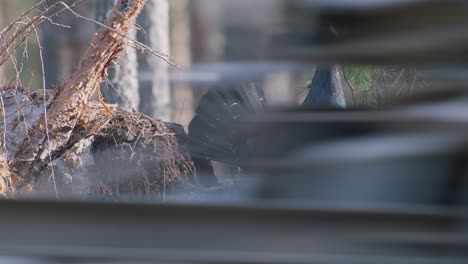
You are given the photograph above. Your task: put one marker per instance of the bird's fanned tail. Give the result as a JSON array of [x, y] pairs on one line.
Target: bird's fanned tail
[[211, 132]]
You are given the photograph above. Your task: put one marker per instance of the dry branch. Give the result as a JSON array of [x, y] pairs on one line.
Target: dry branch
[[25, 27], [52, 134]]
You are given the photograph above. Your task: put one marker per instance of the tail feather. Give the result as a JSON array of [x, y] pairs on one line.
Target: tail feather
[[211, 132]]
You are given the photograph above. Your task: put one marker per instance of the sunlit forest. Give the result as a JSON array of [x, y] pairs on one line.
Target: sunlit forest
[[191, 33], [157, 93], [233, 131]]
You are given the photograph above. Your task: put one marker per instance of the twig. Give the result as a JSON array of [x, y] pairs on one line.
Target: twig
[[164, 57], [108, 82], [27, 29], [398, 78], [183, 109], [351, 87], [41, 57], [413, 84]]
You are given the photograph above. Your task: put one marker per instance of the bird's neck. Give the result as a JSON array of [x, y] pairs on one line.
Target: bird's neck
[[326, 89]]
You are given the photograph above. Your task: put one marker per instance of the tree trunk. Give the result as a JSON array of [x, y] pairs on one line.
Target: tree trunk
[[4, 9], [277, 88], [180, 45], [122, 86], [207, 38], [156, 93], [64, 46]]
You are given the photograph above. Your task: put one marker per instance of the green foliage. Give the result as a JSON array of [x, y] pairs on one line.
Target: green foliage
[[376, 85], [361, 79], [360, 76]]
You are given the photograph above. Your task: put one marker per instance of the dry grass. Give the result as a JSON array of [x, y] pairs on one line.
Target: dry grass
[[135, 154]]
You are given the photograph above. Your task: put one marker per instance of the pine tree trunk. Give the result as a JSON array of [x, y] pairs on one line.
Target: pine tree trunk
[[277, 88], [122, 86], [180, 45], [207, 36], [156, 93], [63, 46]]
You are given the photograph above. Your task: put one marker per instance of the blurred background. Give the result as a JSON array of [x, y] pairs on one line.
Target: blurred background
[[322, 132], [200, 35]]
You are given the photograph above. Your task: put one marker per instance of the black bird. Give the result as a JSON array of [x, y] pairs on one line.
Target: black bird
[[212, 135]]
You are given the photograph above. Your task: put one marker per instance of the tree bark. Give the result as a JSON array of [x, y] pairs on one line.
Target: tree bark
[[156, 93], [159, 37], [63, 46], [122, 87], [207, 38], [277, 89], [180, 45], [54, 130], [3, 7]]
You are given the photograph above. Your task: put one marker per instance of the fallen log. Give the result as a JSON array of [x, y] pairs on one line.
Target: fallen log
[[63, 142]]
